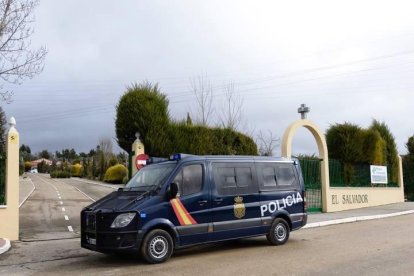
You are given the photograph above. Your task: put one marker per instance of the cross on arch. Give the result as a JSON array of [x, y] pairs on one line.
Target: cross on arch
[[303, 110]]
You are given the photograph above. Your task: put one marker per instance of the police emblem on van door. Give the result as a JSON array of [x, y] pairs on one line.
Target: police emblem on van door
[[239, 208]]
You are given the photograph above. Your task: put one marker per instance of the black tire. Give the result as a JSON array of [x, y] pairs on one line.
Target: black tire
[[157, 246], [279, 232]]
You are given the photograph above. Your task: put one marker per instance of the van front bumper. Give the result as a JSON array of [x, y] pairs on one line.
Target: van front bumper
[[97, 235], [110, 242]]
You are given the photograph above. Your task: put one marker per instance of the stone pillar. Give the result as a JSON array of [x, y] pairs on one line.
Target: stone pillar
[[400, 175], [9, 213], [137, 149]]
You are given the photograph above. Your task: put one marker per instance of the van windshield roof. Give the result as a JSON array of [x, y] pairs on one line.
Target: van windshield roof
[[151, 177]]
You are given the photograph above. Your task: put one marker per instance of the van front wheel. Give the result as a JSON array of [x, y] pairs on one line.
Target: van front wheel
[[157, 246], [279, 232]]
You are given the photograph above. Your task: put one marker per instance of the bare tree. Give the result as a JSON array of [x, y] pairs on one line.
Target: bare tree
[[203, 91], [3, 131], [105, 145], [232, 106], [267, 143], [17, 60], [104, 154]]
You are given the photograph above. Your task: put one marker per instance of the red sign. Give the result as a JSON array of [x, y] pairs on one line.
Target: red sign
[[141, 161]]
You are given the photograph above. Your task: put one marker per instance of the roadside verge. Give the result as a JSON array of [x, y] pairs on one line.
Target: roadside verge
[[33, 188], [4, 245], [355, 219], [115, 187]]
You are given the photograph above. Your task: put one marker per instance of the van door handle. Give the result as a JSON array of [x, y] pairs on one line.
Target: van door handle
[[218, 200], [202, 202]]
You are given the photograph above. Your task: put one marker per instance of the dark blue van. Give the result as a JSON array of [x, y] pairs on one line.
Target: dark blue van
[[192, 200]]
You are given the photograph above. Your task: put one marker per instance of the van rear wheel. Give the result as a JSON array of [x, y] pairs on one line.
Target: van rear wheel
[[157, 246], [279, 232]]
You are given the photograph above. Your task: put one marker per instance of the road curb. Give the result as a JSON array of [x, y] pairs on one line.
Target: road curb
[[4, 245], [355, 219], [24, 200]]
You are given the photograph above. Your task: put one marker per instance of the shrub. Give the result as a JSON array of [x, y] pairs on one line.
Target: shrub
[[345, 142], [202, 140], [113, 161], [116, 174], [42, 167], [374, 148], [27, 166], [410, 146], [60, 174], [352, 144], [390, 148], [21, 168], [76, 170], [408, 170], [144, 109]]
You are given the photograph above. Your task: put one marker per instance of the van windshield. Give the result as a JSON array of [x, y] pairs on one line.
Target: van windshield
[[151, 177]]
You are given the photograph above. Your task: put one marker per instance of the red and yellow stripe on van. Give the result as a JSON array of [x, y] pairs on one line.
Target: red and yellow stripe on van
[[182, 214]]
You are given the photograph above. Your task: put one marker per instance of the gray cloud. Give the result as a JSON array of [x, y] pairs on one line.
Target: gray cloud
[[348, 62]]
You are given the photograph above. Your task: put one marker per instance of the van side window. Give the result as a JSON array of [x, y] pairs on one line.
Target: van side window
[[273, 176], [244, 177], [189, 179], [285, 175], [234, 178], [269, 177], [228, 176]]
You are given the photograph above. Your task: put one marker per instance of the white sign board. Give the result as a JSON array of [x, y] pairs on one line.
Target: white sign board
[[379, 174]]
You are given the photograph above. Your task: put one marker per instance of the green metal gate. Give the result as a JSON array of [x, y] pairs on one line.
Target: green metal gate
[[408, 171], [311, 171]]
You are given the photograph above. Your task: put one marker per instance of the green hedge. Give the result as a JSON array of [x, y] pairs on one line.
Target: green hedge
[[408, 170], [116, 174], [76, 170], [27, 166], [60, 174], [351, 144], [144, 109], [207, 141], [200, 140]]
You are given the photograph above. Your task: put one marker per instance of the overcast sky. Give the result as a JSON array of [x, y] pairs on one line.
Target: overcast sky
[[350, 61]]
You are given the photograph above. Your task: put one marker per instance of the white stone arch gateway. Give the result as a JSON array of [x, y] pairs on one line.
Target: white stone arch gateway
[[322, 148]]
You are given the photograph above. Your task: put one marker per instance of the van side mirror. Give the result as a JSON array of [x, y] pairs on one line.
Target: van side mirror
[[172, 190]]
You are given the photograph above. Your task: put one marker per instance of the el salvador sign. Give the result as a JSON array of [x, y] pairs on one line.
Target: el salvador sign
[[379, 174]]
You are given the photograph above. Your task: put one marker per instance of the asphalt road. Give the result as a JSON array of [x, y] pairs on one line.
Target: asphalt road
[[92, 191], [48, 247], [53, 210], [377, 247]]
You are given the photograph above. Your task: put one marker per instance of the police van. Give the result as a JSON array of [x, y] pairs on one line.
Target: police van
[[191, 200]]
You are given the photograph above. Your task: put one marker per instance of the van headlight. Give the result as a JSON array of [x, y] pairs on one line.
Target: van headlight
[[122, 220]]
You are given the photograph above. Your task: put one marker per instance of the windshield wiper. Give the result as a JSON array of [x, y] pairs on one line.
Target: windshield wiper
[[157, 188], [141, 196], [139, 189]]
